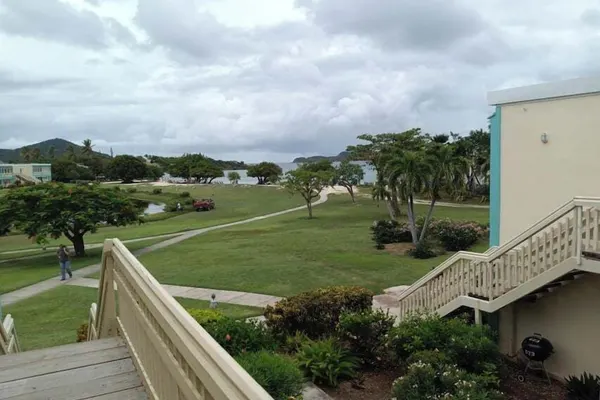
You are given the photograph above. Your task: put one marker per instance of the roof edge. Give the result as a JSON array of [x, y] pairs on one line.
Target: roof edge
[[543, 91]]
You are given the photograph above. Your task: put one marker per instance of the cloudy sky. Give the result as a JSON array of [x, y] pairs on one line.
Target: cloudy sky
[[273, 79]]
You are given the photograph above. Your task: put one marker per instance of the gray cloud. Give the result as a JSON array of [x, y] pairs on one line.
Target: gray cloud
[[58, 21]]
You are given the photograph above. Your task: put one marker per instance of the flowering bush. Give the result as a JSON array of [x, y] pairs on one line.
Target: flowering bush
[[456, 236], [390, 231], [238, 337], [205, 315], [448, 382]]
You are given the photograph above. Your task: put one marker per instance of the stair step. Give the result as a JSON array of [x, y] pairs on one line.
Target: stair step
[[591, 255]]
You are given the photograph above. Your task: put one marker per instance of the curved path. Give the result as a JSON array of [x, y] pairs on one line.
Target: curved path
[[32, 290]]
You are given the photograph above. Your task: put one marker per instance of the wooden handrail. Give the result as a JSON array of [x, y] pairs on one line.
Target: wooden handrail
[[175, 356], [497, 270], [9, 340]]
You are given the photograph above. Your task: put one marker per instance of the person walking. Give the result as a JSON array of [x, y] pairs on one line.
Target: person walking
[[65, 262]]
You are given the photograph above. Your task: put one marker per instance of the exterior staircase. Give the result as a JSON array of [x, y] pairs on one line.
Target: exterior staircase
[[552, 253], [27, 178]]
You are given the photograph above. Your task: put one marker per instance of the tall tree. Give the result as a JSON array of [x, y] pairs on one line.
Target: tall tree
[[308, 184], [88, 148], [127, 168], [348, 175], [53, 210]]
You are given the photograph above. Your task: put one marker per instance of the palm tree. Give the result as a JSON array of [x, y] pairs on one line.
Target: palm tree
[[51, 152], [36, 154], [71, 153], [27, 154], [88, 148]]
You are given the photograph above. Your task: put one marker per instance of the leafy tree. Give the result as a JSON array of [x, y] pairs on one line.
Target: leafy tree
[[36, 154], [98, 166], [53, 210], [349, 175], [321, 165], [234, 177], [127, 168], [51, 152], [154, 171], [88, 148], [265, 172], [27, 154], [71, 153], [205, 172], [68, 171], [308, 184]]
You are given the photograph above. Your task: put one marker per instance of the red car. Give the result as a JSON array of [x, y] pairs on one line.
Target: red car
[[204, 205]]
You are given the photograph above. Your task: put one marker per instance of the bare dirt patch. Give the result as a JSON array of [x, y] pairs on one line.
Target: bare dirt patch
[[398, 249]]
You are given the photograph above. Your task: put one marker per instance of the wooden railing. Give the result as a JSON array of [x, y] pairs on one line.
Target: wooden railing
[[565, 233], [176, 358], [9, 341]]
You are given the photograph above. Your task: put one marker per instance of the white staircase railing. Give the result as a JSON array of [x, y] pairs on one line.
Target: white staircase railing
[[9, 341], [564, 234], [176, 358]]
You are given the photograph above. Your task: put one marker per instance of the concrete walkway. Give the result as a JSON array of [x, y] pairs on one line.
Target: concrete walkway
[[32, 290]]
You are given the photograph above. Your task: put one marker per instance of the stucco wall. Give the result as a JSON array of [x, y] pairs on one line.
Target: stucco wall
[[537, 178], [569, 317]]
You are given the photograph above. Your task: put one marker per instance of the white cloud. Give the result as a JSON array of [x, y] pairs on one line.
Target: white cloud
[[273, 78]]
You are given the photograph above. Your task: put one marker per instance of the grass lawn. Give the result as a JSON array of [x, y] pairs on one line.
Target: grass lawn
[[19, 273], [289, 254], [52, 318], [233, 203]]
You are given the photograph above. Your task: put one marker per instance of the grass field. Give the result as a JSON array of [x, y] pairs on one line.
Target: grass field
[[52, 318], [233, 203], [289, 254], [19, 273]]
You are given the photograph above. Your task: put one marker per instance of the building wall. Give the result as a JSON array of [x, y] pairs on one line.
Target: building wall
[[569, 317], [536, 178], [41, 171]]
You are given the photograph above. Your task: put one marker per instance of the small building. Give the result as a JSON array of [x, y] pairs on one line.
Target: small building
[[545, 150], [35, 173]]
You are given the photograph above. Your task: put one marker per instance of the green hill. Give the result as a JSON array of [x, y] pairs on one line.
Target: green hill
[[60, 147], [340, 157]]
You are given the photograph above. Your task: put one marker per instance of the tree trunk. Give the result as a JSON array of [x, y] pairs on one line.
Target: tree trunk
[[411, 221], [394, 202], [427, 219], [351, 191], [388, 203], [78, 245], [309, 206]]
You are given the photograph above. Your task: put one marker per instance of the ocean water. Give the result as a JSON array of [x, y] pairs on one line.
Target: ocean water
[[370, 175]]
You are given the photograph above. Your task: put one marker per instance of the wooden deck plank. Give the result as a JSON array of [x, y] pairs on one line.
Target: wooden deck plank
[[73, 379], [130, 394], [12, 360], [53, 365], [110, 385]]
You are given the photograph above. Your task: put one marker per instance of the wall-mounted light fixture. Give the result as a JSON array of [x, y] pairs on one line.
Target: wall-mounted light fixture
[[544, 138]]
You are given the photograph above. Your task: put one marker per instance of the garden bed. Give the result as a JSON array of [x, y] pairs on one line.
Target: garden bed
[[369, 386]]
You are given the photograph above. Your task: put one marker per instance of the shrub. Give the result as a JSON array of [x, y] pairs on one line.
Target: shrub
[[293, 343], [458, 236], [584, 387], [205, 315], [390, 231], [435, 357], [171, 206], [278, 375], [117, 188], [131, 190], [82, 333], [423, 250], [240, 336], [365, 333], [326, 362], [469, 346], [316, 313], [184, 194], [156, 191], [426, 381]]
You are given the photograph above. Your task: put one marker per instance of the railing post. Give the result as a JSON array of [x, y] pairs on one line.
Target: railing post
[[106, 317], [477, 315], [579, 230]]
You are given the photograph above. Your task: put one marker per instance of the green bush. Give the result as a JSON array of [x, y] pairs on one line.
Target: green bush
[[156, 191], [326, 362], [205, 315], [426, 381], [278, 375], [469, 346], [131, 190], [584, 387], [436, 358], [293, 343], [117, 188], [390, 231], [423, 250], [316, 313], [184, 194], [456, 236], [240, 336], [365, 334]]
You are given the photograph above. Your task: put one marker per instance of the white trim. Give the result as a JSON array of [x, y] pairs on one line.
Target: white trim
[[543, 91]]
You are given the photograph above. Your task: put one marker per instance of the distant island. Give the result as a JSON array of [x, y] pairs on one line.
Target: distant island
[[340, 157]]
